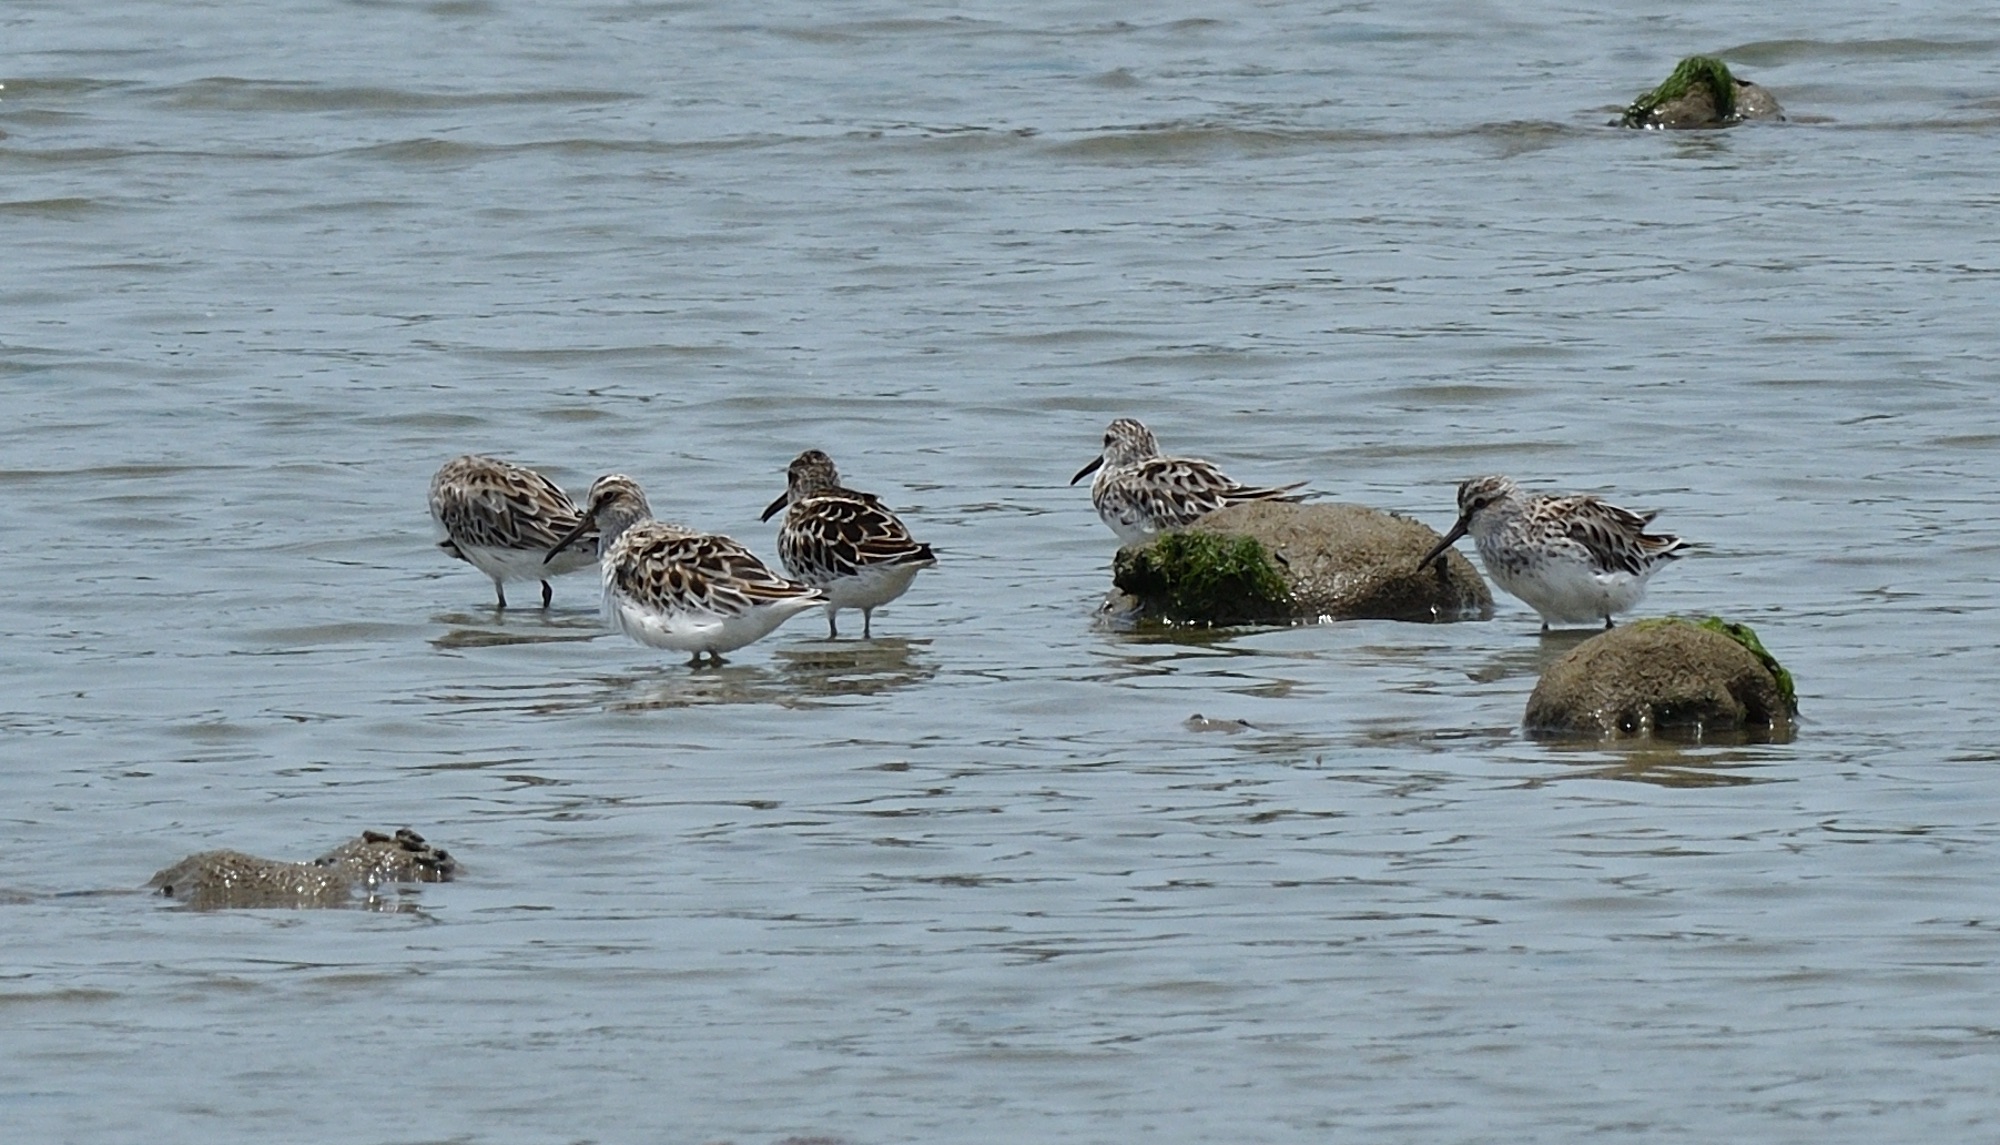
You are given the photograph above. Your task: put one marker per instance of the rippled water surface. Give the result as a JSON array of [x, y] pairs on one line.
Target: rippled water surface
[[982, 879]]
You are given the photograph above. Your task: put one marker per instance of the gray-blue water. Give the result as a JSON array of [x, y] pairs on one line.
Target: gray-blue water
[[269, 264]]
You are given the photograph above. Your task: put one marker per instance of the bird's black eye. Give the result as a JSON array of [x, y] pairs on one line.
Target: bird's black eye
[[1107, 439]]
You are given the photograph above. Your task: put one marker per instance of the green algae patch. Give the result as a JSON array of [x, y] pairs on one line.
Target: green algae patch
[[1205, 578], [1746, 636], [1694, 76]]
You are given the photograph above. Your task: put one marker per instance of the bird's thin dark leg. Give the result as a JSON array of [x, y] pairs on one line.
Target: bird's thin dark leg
[[500, 595], [548, 594], [867, 623], [832, 631]]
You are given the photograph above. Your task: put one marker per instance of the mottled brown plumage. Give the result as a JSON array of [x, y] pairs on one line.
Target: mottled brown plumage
[[1574, 559], [1140, 493], [667, 586], [844, 541], [502, 519]]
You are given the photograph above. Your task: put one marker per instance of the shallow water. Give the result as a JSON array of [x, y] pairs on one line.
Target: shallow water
[[980, 879]]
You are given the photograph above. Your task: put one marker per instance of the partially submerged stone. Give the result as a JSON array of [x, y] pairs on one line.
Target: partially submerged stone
[[1273, 562], [216, 880], [213, 880], [1667, 677], [403, 857], [1701, 92]]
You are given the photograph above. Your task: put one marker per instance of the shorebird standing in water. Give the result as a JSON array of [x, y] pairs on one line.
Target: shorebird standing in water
[[666, 586], [501, 518], [844, 543]]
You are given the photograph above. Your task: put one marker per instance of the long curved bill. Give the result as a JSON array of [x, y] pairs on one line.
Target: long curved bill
[[1457, 531], [1087, 470], [783, 499], [581, 527]]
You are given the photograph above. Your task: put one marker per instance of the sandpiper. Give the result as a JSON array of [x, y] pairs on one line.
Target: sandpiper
[[1576, 559], [1140, 493], [667, 586], [845, 543], [502, 518]]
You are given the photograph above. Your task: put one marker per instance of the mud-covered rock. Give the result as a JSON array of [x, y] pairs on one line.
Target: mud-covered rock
[[1272, 562], [216, 880], [1667, 677], [213, 880], [1755, 101], [1701, 92], [403, 857]]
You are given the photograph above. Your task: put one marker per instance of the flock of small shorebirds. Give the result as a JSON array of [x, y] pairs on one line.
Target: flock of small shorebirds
[[1576, 560]]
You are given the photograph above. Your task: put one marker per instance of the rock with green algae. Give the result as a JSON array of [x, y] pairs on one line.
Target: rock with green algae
[[1669, 677], [1747, 636], [1273, 562], [1701, 92], [218, 880], [1204, 578]]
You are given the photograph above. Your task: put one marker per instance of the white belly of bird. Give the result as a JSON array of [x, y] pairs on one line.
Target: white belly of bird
[[1128, 519], [526, 564], [687, 630], [873, 585], [1133, 532], [1128, 516], [1569, 594]]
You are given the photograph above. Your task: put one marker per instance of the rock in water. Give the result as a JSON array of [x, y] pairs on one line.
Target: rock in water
[[1668, 677], [1701, 92], [219, 880], [400, 858], [1273, 562]]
